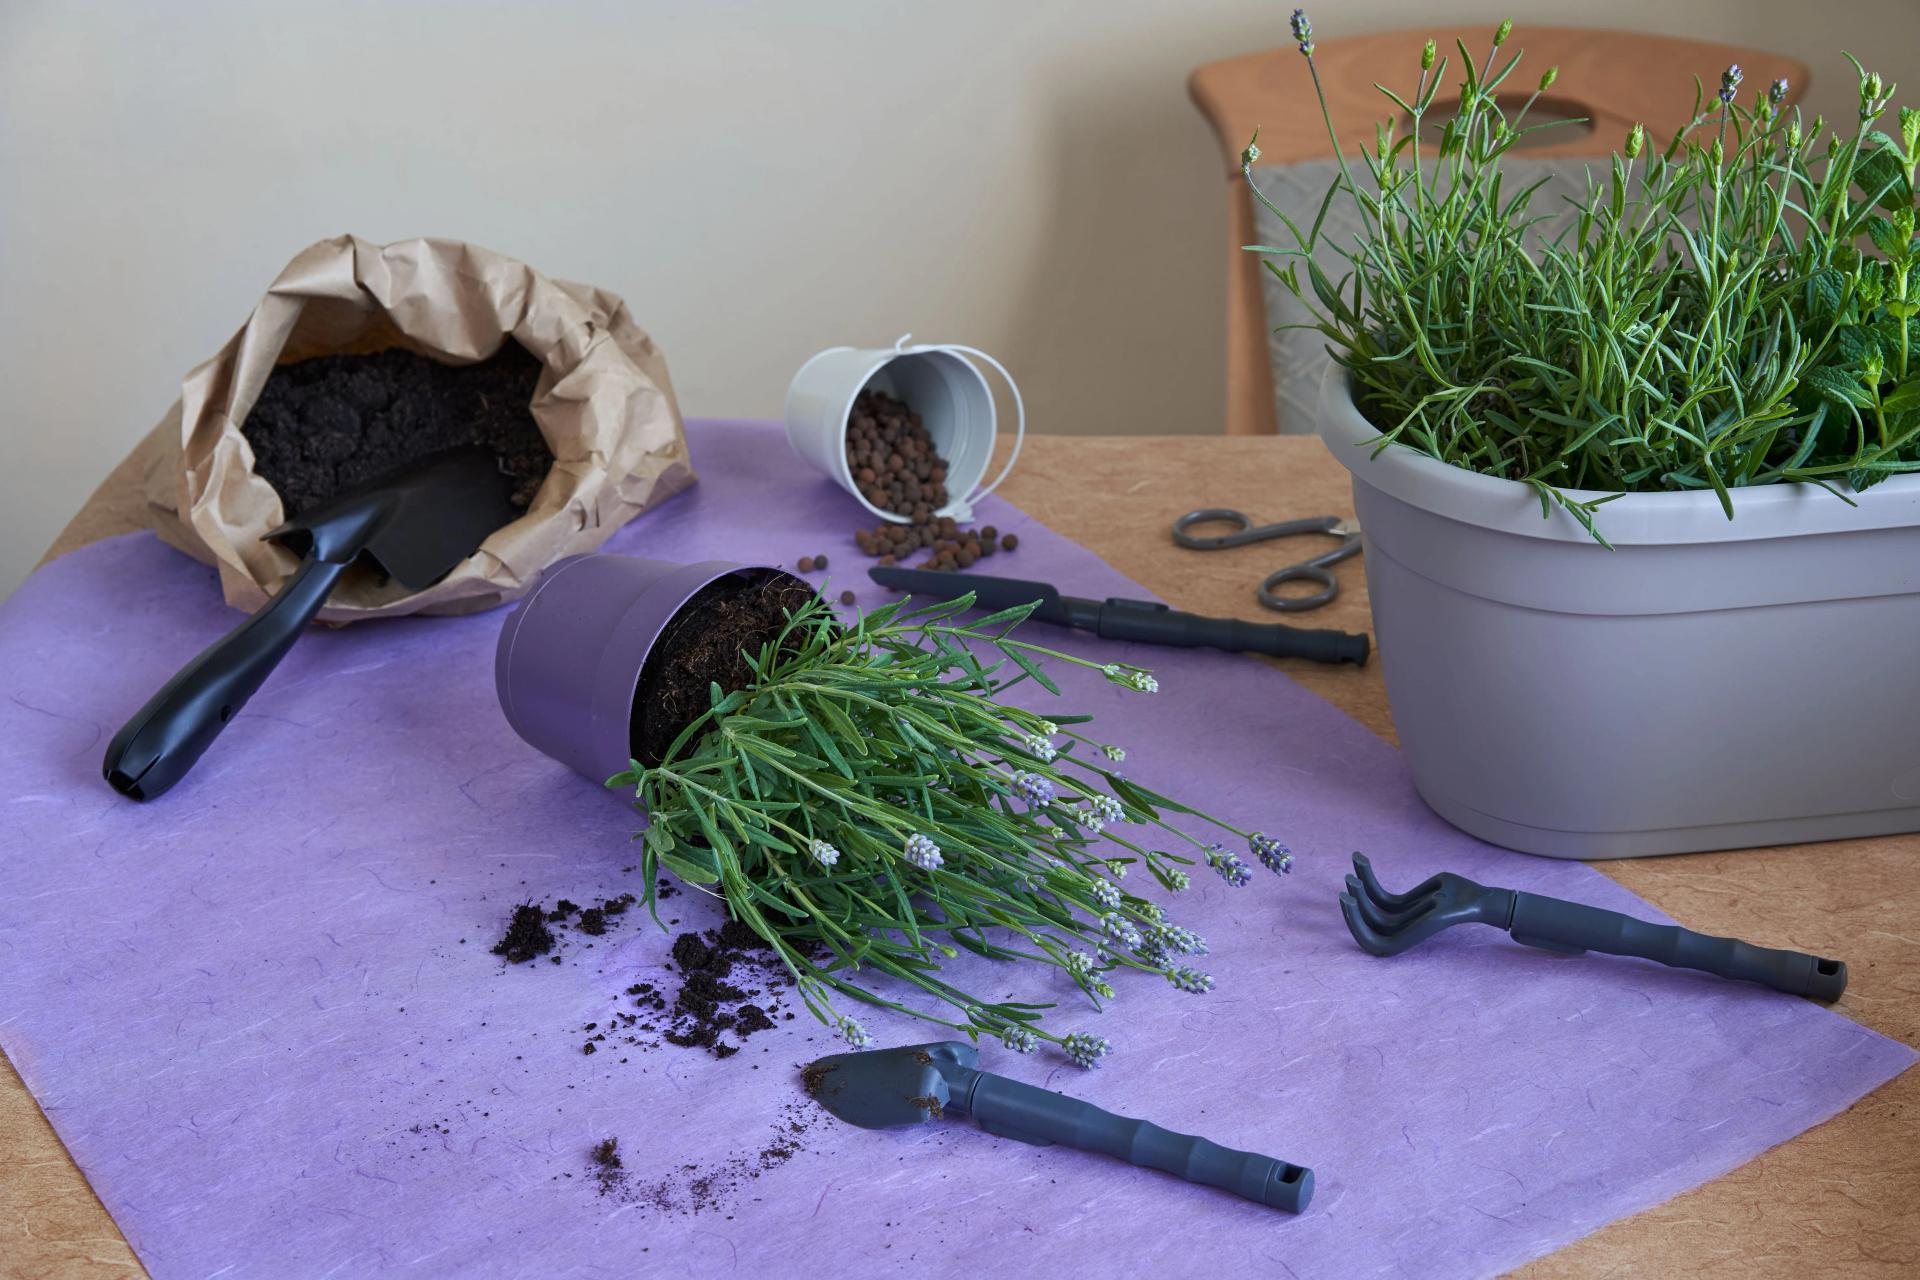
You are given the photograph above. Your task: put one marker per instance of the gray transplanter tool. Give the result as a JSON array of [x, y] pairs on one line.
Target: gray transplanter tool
[[888, 1088]]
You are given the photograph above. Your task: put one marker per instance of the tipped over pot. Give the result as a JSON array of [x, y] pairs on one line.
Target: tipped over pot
[[582, 671]]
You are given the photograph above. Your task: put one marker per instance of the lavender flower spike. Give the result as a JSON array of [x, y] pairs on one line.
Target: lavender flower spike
[[922, 852], [1188, 979], [1019, 1039], [1730, 82], [1273, 855], [1302, 28], [1776, 93], [1119, 929], [1234, 871], [1033, 788], [1085, 1050], [855, 1034], [1179, 941], [823, 853]]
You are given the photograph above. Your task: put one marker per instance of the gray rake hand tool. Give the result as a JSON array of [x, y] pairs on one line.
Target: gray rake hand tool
[[889, 1088], [1387, 923]]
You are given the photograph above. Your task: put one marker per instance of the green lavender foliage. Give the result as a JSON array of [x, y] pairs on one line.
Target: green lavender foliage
[[1737, 309], [869, 806]]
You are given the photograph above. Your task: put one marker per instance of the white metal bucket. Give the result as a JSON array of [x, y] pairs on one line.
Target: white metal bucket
[[940, 381]]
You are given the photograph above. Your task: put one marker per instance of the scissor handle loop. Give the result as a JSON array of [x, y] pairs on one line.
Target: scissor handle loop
[[1308, 572], [1245, 530]]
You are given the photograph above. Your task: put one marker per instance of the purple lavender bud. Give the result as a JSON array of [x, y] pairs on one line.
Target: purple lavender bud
[[1108, 808], [1302, 31], [1033, 788], [1118, 929], [1178, 941], [1104, 894], [1273, 855], [1730, 82], [922, 852], [1085, 1050], [1191, 980], [1019, 1039], [1776, 93], [1231, 868]]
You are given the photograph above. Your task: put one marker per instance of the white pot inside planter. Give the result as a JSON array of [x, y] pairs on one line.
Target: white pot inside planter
[[1707, 684]]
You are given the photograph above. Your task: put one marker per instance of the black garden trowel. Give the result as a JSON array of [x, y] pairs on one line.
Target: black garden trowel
[[415, 524], [888, 1088]]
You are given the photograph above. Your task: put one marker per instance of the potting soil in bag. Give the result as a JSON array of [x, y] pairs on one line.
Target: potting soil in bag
[[362, 358]]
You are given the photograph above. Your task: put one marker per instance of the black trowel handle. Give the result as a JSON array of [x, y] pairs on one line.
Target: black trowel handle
[[1150, 623], [159, 744], [1015, 1110]]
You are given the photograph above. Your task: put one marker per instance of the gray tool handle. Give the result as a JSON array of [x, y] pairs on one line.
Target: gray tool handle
[[1014, 1110], [1571, 926]]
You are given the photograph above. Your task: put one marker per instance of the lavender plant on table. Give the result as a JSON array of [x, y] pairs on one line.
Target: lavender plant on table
[[1740, 308], [870, 805]]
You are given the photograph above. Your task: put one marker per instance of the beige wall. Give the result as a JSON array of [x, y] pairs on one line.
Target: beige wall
[[759, 179]]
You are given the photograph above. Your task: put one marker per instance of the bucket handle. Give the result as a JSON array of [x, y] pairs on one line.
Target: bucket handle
[[964, 504]]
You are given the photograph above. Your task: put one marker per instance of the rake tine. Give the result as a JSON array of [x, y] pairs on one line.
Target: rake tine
[[1382, 922], [1369, 941], [1384, 897]]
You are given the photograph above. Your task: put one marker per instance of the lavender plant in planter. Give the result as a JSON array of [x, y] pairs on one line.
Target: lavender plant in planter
[[860, 795], [1644, 561]]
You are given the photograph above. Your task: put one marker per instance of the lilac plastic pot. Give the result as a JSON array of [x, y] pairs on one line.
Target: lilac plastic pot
[[570, 656]]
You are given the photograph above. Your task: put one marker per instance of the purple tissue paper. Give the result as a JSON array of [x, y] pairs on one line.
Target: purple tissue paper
[[262, 1015]]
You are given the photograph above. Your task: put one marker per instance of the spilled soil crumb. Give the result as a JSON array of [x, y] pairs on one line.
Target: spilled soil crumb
[[530, 933], [527, 935], [731, 982], [704, 1188], [606, 1162], [726, 984]]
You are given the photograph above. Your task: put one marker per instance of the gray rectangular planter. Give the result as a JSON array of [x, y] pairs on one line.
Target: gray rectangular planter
[[1708, 684]]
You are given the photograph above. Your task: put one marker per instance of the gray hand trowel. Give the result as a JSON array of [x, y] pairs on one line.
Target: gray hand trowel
[[888, 1088], [415, 524]]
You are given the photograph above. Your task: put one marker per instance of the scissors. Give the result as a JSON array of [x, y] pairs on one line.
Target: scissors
[[1317, 570]]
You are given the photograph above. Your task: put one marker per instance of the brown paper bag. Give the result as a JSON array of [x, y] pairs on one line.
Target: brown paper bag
[[603, 402]]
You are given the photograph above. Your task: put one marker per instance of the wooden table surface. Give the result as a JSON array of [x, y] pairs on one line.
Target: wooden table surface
[[1841, 1199]]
